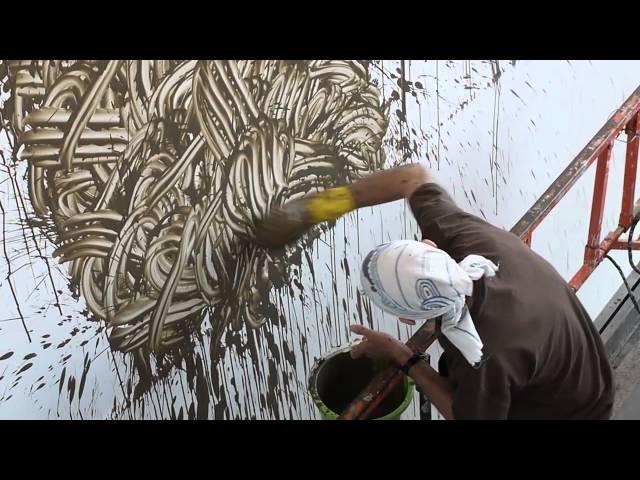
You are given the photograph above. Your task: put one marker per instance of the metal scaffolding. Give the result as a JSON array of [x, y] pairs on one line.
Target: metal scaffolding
[[626, 119]]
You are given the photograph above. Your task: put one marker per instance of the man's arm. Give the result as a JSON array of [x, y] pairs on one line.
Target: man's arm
[[380, 345], [288, 223], [434, 387], [481, 393], [389, 185]]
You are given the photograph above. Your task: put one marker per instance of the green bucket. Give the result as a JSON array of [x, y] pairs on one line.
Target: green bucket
[[337, 379]]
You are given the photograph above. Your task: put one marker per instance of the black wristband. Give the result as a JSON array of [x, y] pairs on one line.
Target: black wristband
[[415, 358]]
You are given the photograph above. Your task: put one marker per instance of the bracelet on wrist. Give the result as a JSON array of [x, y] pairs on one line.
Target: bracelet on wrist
[[415, 358]]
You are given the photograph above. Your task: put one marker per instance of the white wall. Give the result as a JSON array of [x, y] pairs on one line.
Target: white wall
[[546, 112], [542, 113]]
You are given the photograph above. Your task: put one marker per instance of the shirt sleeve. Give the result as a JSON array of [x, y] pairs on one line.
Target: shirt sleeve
[[437, 214], [482, 393], [443, 222]]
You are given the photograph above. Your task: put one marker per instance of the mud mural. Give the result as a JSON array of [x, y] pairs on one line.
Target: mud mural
[[147, 177], [151, 174], [129, 285]]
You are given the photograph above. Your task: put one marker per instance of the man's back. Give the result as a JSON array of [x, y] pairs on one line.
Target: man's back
[[542, 356]]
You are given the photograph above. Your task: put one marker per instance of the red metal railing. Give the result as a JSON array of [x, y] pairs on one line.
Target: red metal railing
[[599, 148]]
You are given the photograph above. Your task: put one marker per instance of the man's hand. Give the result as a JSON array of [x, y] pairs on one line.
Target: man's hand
[[379, 345], [284, 225], [383, 346]]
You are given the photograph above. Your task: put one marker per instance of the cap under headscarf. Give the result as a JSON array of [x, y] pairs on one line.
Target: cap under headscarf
[[413, 280]]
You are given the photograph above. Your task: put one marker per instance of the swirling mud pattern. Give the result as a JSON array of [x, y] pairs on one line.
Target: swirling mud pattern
[[150, 177]]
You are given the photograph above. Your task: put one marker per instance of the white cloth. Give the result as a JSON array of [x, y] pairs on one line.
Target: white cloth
[[414, 280]]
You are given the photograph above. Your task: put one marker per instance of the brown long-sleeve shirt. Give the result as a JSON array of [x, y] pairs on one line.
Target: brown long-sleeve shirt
[[544, 357]]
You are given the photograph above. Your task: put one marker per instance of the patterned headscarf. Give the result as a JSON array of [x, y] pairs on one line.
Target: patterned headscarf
[[414, 280]]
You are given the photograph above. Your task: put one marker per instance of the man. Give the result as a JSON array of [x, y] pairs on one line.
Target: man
[[517, 342]]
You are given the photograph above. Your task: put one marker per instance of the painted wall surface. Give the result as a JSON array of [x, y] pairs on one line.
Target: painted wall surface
[[495, 132]]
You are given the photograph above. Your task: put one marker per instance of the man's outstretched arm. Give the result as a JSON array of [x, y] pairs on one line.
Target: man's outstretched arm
[[288, 223], [389, 185]]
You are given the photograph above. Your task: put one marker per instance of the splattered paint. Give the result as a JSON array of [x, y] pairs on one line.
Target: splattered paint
[[150, 176], [145, 179]]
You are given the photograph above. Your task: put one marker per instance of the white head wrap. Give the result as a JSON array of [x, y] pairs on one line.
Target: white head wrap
[[414, 280]]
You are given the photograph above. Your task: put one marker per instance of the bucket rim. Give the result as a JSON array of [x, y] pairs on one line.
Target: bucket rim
[[326, 412]]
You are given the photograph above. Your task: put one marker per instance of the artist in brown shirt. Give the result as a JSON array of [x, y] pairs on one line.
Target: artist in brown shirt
[[541, 357], [517, 342]]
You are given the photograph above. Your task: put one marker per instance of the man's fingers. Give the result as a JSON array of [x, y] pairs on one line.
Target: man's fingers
[[360, 329], [359, 349]]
